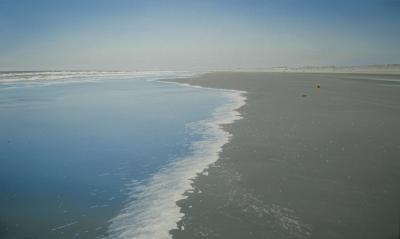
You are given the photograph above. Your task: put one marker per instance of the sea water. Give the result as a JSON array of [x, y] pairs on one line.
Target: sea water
[[103, 154]]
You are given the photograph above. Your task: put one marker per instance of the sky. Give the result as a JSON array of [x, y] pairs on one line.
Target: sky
[[196, 35]]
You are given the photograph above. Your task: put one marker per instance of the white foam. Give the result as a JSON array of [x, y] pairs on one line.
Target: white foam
[[79, 76], [152, 211], [64, 226]]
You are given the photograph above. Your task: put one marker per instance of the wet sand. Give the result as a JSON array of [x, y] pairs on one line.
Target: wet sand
[[304, 162]]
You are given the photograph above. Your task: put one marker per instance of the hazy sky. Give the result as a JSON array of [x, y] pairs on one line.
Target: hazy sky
[[201, 34]]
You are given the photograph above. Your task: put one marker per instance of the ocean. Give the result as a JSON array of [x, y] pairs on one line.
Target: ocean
[[104, 154]]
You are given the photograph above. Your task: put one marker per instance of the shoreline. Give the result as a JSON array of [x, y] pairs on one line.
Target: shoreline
[[141, 218], [303, 161]]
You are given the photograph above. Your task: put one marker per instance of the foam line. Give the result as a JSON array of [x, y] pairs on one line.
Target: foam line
[[54, 76], [64, 226], [152, 211]]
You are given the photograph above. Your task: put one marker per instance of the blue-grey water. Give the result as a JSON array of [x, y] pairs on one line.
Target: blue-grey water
[[73, 144]]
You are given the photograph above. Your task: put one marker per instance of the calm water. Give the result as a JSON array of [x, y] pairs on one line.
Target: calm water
[[73, 146]]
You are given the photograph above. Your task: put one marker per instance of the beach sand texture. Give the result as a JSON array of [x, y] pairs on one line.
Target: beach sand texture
[[304, 162]]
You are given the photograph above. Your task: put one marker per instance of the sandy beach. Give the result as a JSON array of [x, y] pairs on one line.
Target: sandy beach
[[304, 162]]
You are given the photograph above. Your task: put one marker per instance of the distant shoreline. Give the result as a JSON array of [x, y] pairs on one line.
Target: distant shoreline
[[386, 69]]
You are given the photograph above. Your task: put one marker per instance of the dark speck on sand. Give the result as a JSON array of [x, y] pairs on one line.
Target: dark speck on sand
[[324, 166]]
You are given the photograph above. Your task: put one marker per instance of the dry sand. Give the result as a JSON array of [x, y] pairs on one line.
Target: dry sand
[[303, 162]]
